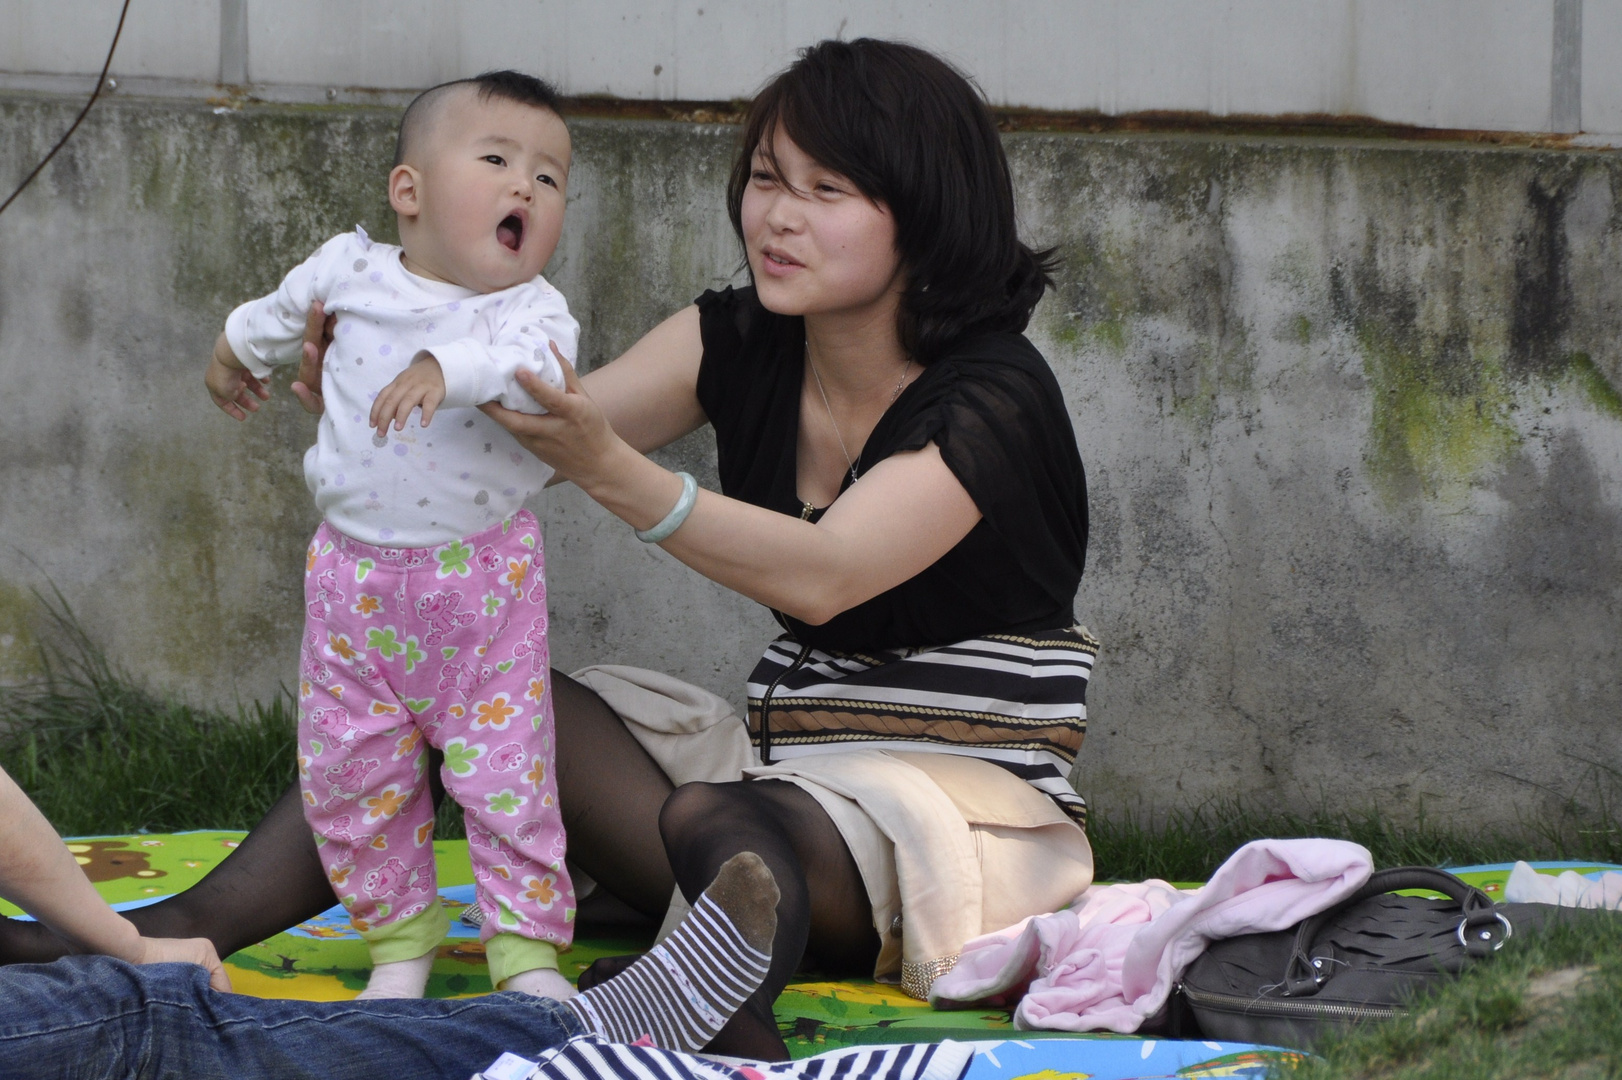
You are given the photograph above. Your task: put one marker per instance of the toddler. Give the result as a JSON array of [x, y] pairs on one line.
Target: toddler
[[424, 586]]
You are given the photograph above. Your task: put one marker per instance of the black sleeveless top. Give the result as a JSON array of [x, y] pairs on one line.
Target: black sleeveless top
[[993, 408]]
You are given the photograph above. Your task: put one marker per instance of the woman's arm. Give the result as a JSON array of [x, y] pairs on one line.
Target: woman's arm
[[40, 875], [650, 394], [901, 517]]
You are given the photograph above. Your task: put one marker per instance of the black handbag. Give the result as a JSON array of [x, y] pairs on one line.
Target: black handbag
[[1365, 959]]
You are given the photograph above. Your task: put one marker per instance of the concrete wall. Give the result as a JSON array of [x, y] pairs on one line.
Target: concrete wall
[[1349, 410], [1524, 65]]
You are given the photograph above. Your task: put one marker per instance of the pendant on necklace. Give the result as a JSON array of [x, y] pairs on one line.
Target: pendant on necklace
[[849, 461]]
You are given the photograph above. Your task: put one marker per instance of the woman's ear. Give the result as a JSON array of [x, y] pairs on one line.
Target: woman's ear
[[403, 191]]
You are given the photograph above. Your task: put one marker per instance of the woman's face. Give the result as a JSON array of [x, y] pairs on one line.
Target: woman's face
[[816, 245]]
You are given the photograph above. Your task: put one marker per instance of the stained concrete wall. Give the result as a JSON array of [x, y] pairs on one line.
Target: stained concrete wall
[[1520, 65], [1349, 410]]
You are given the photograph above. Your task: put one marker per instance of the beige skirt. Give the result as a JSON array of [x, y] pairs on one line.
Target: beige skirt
[[949, 847]]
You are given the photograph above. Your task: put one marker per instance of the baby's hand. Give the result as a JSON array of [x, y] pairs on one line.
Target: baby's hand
[[423, 383], [233, 387]]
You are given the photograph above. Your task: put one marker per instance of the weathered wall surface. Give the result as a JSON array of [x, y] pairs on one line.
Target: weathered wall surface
[[1349, 412]]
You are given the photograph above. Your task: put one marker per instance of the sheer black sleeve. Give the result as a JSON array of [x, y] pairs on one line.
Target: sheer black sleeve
[[999, 419], [749, 387]]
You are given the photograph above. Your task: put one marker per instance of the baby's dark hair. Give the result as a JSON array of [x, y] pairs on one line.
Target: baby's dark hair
[[506, 85]]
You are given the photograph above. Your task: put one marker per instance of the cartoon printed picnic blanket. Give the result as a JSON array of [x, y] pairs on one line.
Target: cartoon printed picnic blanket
[[325, 960]]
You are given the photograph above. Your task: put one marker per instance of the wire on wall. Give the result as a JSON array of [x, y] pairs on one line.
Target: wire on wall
[[101, 81]]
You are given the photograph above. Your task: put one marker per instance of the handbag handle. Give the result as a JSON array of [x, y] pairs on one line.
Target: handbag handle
[[1302, 978]]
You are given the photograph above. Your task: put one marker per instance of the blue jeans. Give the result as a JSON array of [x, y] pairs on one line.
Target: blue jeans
[[90, 1017]]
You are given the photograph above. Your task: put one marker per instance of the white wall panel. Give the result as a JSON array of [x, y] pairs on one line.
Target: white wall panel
[[1474, 64], [1602, 65], [176, 39]]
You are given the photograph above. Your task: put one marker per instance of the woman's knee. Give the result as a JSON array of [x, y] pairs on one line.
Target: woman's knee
[[695, 808]]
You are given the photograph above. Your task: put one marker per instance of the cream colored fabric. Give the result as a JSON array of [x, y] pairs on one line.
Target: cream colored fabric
[[954, 878], [691, 733], [963, 846]]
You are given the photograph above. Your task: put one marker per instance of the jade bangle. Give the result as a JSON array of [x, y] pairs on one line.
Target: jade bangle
[[677, 515]]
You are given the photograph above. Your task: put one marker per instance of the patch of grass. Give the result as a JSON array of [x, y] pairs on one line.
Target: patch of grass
[[1547, 1006], [101, 754], [1189, 844]]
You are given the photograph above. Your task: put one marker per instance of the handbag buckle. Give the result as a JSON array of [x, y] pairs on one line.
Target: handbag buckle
[[1475, 947], [1304, 978]]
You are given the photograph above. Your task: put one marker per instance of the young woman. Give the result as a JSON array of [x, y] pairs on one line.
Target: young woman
[[900, 484]]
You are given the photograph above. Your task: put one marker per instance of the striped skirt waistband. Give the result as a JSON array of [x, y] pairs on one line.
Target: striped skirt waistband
[[1016, 700]]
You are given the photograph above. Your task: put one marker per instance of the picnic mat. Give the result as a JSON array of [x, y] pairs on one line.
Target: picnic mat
[[325, 960]]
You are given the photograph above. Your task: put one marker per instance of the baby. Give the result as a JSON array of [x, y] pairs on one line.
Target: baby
[[426, 601]]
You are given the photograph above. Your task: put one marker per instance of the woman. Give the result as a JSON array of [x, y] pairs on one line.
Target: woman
[[898, 473]]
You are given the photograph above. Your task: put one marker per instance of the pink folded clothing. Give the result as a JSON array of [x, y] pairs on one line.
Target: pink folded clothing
[[1108, 962]]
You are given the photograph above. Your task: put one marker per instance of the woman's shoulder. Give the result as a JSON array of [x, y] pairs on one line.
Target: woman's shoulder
[[745, 378], [999, 363], [991, 403], [732, 317], [995, 348]]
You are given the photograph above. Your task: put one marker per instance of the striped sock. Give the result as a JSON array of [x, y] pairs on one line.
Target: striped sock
[[688, 986]]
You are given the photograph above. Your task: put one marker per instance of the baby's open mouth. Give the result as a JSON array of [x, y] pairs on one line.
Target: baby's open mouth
[[511, 232]]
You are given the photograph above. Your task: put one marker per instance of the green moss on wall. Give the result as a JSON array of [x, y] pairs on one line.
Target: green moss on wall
[[1428, 434], [1594, 385]]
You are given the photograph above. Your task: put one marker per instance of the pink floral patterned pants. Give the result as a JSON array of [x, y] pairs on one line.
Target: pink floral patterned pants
[[444, 646]]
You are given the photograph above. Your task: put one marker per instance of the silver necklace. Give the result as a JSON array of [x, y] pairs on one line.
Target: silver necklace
[[850, 462]]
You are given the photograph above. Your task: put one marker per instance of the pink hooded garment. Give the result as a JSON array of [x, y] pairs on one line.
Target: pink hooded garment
[[1109, 961]]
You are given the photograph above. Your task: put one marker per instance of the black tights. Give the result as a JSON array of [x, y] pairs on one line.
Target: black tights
[[621, 819], [823, 918]]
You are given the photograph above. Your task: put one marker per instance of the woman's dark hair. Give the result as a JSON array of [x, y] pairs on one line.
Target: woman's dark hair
[[910, 131]]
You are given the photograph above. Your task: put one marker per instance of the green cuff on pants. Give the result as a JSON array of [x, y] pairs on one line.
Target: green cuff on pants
[[509, 954], [408, 939]]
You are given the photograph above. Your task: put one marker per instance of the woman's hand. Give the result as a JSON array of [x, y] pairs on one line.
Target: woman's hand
[[573, 436], [199, 951], [317, 336]]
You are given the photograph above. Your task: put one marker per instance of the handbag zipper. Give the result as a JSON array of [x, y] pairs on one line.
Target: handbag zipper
[[1277, 1007], [766, 703]]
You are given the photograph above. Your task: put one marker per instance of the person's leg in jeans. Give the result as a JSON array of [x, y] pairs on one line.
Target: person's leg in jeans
[[94, 1017]]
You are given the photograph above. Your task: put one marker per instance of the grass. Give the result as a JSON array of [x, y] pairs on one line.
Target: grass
[[1189, 844], [100, 753]]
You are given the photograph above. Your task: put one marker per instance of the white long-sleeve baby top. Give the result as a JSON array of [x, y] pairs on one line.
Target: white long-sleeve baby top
[[417, 487]]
